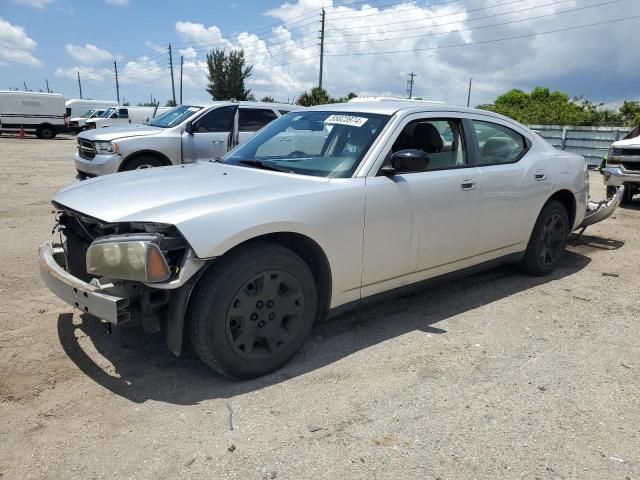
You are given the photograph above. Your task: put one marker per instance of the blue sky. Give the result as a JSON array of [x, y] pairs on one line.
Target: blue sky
[[55, 38]]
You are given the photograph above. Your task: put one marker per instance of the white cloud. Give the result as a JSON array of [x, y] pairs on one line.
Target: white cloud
[[88, 53], [16, 46], [118, 3], [285, 59], [34, 3]]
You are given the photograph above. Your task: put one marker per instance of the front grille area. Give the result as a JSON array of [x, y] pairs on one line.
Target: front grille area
[[631, 166], [86, 149], [630, 151]]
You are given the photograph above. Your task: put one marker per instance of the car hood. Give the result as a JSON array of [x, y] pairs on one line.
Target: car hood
[[114, 133], [628, 143], [179, 193]]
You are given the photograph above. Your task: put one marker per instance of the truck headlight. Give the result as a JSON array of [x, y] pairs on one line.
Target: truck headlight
[[106, 147], [135, 257]]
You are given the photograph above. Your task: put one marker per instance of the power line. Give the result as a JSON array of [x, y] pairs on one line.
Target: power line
[[480, 27], [484, 42], [494, 15], [413, 7]]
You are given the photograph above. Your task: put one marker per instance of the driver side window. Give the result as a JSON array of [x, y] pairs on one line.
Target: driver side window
[[219, 120], [441, 138]]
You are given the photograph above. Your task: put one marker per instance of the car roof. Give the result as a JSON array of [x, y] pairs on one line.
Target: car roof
[[282, 106], [404, 106]]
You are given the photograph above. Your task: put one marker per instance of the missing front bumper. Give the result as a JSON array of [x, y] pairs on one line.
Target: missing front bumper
[[599, 211]]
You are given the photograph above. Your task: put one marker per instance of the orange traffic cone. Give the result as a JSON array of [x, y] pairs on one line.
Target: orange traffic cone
[[21, 134]]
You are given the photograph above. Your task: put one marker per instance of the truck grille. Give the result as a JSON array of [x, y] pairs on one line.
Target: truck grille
[[631, 166], [86, 150], [630, 151]]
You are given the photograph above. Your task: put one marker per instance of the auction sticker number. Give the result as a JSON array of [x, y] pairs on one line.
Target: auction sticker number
[[350, 120]]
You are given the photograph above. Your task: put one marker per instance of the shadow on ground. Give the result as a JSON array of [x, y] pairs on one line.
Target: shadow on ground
[[148, 371]]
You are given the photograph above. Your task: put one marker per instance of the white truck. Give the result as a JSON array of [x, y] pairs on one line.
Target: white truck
[[39, 113], [76, 107], [125, 115], [623, 166], [185, 134]]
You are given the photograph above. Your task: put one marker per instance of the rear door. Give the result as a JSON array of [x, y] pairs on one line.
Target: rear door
[[212, 136], [515, 181]]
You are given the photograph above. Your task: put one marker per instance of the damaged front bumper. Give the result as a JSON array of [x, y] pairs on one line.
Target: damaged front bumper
[[599, 211], [77, 293], [615, 176]]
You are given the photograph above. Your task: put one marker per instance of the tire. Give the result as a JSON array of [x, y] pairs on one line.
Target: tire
[[627, 196], [611, 191], [45, 132], [242, 339], [548, 240], [141, 162]]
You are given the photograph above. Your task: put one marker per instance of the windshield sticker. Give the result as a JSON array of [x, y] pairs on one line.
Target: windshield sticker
[[345, 120]]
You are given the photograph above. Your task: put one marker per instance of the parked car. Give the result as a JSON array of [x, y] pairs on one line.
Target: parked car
[[242, 255], [185, 134], [124, 116], [622, 166], [39, 113], [77, 107], [77, 124]]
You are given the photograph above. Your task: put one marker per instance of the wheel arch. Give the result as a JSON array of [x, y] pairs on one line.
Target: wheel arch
[[144, 153], [568, 200]]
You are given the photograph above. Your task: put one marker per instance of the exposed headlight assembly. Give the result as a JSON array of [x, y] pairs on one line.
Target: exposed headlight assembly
[[128, 257], [106, 147], [615, 151]]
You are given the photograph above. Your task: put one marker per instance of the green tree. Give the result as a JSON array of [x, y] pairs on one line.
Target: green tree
[[227, 74], [630, 111], [317, 96], [170, 103], [268, 99]]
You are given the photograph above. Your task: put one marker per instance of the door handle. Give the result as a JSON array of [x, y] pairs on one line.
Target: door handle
[[468, 184], [218, 142], [540, 175]]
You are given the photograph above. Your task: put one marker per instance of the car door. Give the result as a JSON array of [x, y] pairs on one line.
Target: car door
[[211, 136], [251, 119], [515, 181], [425, 223]]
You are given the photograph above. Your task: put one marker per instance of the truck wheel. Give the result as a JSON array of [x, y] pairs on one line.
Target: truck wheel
[[252, 311], [548, 240], [45, 132], [138, 163], [627, 196], [611, 191]]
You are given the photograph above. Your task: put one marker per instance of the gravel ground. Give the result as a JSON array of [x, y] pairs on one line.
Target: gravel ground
[[497, 376]]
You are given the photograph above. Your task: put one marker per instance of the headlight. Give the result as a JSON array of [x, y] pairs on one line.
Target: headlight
[[135, 257], [105, 147], [616, 151]]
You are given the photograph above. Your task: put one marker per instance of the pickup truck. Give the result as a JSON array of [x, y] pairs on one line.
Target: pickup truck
[[622, 166], [184, 134]]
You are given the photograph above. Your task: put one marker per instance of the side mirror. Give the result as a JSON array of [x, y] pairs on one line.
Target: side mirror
[[407, 161], [189, 128]]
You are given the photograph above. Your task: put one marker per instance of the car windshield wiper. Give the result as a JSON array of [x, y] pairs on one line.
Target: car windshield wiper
[[265, 166]]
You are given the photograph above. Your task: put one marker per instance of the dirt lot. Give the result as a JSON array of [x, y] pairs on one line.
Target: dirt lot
[[497, 376]]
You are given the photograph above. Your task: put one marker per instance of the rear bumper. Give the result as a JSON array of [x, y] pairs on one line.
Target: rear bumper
[[76, 292], [615, 176]]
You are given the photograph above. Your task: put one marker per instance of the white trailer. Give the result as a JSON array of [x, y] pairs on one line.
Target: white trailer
[[125, 116], [39, 113]]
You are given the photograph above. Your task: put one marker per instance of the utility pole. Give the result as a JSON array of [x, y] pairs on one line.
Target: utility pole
[[25, 86], [181, 66], [173, 87], [321, 49], [47, 81], [79, 85], [410, 83], [469, 94], [115, 68]]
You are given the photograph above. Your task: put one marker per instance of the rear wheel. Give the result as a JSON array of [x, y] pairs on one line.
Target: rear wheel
[[251, 313], [45, 132], [548, 240], [141, 162]]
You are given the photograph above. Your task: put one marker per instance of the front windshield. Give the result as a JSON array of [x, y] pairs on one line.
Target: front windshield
[[107, 112], [174, 117], [88, 114], [321, 143]]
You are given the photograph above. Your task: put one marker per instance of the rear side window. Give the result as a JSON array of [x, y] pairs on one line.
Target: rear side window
[[123, 113], [253, 119], [219, 120], [498, 144]]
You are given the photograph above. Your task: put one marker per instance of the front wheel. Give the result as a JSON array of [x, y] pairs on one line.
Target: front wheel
[[45, 133], [141, 162], [548, 240], [252, 311]]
